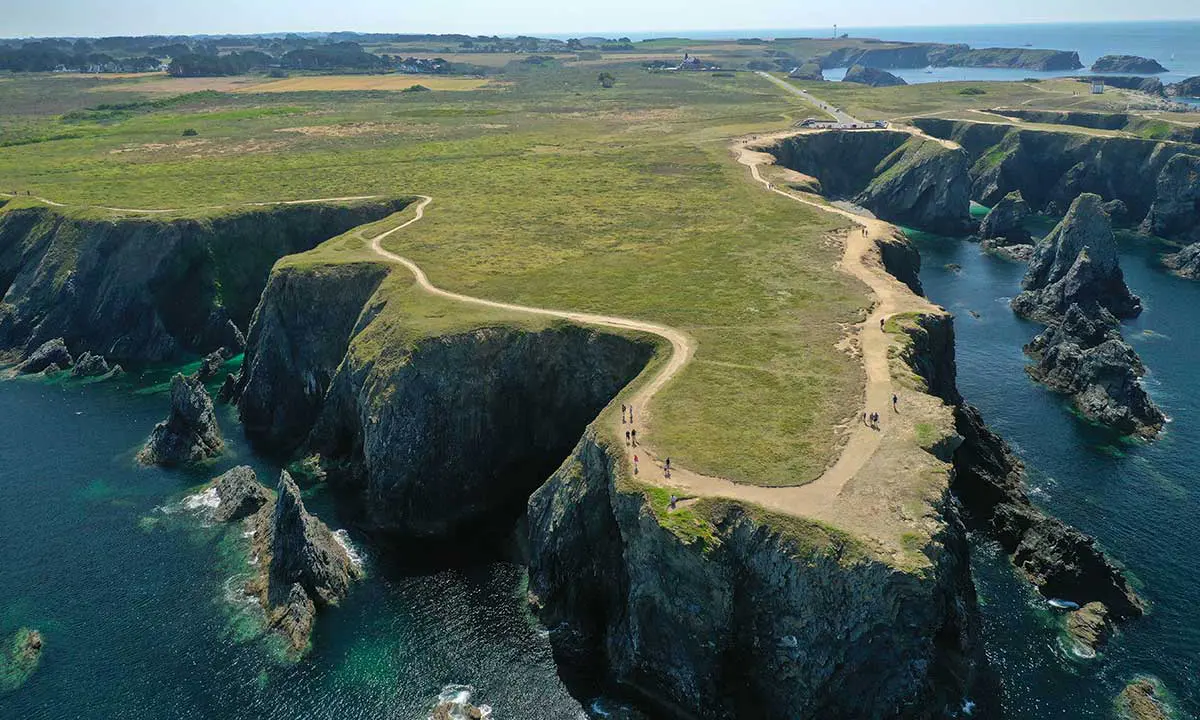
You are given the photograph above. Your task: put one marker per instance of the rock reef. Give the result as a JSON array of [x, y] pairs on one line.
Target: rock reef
[[1141, 700], [900, 177], [1127, 64], [190, 433], [303, 567], [19, 658], [873, 77], [1090, 627]]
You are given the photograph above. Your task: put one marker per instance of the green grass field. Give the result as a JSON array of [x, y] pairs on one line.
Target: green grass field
[[549, 191]]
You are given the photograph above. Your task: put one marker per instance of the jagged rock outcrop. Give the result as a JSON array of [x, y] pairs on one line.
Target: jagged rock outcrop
[[1185, 88], [90, 365], [1076, 264], [1127, 64], [1090, 626], [211, 364], [454, 703], [297, 340], [1052, 168], [1176, 209], [874, 77], [231, 389], [753, 617], [240, 494], [1186, 262], [303, 567], [1002, 230], [150, 289], [1084, 356], [190, 434], [1061, 561], [1142, 700], [900, 177], [51, 353]]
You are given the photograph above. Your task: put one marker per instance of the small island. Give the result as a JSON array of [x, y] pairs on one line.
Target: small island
[[1127, 64]]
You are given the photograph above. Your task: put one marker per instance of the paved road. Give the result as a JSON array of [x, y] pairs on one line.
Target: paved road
[[842, 117]]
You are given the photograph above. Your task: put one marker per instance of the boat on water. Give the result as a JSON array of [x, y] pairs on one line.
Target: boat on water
[[1062, 604]]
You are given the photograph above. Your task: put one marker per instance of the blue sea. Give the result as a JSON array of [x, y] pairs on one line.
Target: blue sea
[[1175, 44]]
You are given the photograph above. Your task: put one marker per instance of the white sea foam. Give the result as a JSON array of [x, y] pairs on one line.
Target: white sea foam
[[343, 539], [206, 500]]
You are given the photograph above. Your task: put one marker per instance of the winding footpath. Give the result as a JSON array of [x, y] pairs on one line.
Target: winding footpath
[[859, 259]]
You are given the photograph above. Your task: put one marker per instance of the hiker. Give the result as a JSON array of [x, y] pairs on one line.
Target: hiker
[[635, 468], [622, 413], [667, 468], [672, 504], [633, 435], [881, 322], [864, 417], [895, 401], [631, 414], [626, 437]]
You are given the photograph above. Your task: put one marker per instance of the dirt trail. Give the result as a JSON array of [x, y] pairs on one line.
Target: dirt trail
[[143, 211]]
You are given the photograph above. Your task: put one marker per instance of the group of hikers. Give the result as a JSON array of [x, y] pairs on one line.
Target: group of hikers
[[632, 441], [872, 420]]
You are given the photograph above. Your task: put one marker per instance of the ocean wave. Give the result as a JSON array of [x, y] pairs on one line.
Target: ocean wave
[[343, 539]]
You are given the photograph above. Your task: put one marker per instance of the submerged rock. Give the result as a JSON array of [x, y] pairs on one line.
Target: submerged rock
[[872, 76], [240, 493], [52, 352], [211, 364], [1186, 262], [308, 568], [1090, 626], [19, 657], [190, 433], [1076, 264], [1140, 701]]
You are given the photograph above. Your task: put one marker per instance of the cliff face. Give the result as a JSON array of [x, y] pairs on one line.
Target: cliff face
[[899, 177], [518, 399], [752, 616], [146, 289], [297, 339], [1051, 169]]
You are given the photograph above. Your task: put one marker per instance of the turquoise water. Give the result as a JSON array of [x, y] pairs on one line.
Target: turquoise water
[[1141, 501], [138, 598]]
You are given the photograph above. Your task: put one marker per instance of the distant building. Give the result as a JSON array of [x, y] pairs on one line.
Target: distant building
[[690, 62]]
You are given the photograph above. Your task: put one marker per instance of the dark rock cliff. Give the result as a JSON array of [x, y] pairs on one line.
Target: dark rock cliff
[[1185, 88], [1051, 169], [296, 342], [148, 289], [1186, 262], [920, 55], [900, 177], [753, 618], [518, 399]]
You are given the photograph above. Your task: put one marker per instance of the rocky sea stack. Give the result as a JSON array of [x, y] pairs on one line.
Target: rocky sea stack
[[302, 565], [1085, 356], [1141, 700], [872, 76], [1076, 264], [1075, 286], [1003, 231], [190, 434]]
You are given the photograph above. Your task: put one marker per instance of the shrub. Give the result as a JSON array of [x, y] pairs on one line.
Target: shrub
[[415, 88], [190, 132], [607, 79], [972, 91]]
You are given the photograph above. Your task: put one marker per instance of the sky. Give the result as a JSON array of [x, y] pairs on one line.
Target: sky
[[23, 18]]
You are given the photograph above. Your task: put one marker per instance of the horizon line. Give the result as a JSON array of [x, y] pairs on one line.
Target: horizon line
[[665, 33]]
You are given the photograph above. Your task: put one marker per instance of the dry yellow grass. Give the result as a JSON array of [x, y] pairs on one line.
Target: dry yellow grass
[[327, 83]]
